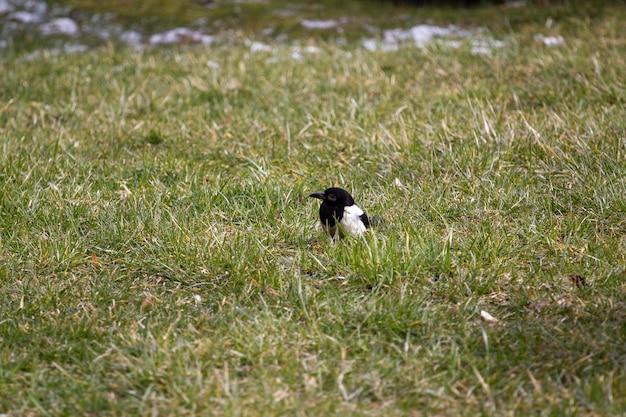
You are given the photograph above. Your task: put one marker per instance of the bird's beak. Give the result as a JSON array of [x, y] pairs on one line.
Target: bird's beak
[[321, 196]]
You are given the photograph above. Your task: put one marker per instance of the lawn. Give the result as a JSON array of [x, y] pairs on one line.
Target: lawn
[[159, 254]]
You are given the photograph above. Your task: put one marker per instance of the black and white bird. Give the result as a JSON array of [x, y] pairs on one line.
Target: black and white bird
[[339, 214]]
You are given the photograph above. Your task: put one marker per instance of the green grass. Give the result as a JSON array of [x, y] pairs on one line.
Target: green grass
[[158, 253]]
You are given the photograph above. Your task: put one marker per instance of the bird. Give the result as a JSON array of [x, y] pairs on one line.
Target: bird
[[338, 207]]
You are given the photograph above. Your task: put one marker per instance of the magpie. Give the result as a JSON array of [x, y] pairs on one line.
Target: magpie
[[338, 207]]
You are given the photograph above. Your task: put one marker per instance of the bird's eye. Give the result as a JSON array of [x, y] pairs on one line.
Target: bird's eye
[[332, 197]]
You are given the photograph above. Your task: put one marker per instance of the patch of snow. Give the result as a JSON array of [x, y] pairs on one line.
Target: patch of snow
[[103, 26], [312, 49], [260, 47], [396, 35], [485, 46], [453, 44], [132, 38], [5, 7], [479, 48], [374, 45], [180, 35], [60, 26], [424, 34], [318, 24], [102, 33], [370, 44], [25, 17], [420, 35], [370, 28], [550, 40], [298, 52]]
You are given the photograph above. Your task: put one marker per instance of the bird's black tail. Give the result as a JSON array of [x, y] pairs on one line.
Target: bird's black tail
[[374, 221]]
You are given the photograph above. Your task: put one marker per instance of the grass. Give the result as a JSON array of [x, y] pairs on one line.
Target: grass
[[158, 253]]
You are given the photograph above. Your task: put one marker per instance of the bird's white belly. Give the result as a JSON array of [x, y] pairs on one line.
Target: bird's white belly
[[351, 221]]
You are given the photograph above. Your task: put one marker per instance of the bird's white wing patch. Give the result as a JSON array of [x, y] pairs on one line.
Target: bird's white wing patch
[[351, 221]]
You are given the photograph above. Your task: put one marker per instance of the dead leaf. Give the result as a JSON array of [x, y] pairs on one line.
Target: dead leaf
[[147, 302], [269, 291], [94, 261]]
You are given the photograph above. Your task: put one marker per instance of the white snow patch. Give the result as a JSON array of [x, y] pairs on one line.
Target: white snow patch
[[424, 34], [453, 44], [102, 33], [25, 17], [180, 35], [260, 47], [297, 52], [132, 38], [420, 35], [550, 40], [372, 44], [60, 26], [318, 24], [485, 46], [5, 7], [312, 49]]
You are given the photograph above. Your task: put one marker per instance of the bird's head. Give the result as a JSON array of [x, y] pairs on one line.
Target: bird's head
[[335, 197]]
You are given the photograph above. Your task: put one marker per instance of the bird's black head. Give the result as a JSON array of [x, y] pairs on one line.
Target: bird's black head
[[335, 197]]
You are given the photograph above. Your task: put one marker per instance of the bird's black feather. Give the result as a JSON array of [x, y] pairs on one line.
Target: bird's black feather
[[329, 216], [365, 220]]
